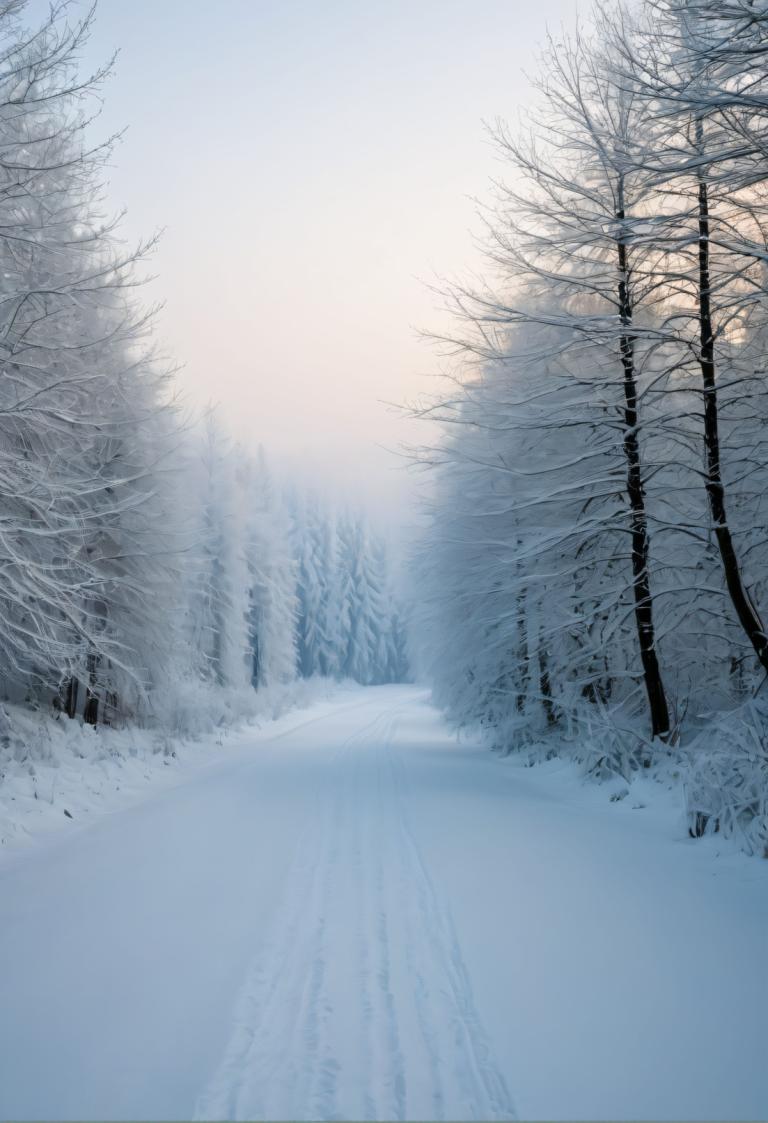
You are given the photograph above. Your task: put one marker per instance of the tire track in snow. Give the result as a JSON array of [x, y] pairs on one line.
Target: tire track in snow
[[272, 1052], [481, 1083], [465, 1082], [358, 1005], [390, 1099]]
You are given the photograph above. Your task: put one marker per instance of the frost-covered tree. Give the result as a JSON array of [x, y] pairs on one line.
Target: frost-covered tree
[[273, 604], [84, 446], [312, 584], [596, 548], [363, 598], [332, 609], [350, 625], [697, 72], [219, 598], [570, 338], [372, 645]]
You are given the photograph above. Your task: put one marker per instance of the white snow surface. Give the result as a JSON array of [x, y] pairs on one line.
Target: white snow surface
[[348, 914]]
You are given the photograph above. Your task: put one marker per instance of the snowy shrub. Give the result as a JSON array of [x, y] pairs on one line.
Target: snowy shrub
[[726, 786]]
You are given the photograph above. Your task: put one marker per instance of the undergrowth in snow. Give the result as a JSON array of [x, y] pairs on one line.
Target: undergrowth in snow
[[720, 772], [726, 778], [54, 771]]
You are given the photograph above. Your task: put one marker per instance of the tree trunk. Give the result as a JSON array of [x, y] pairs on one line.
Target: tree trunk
[[70, 692], [646, 632], [746, 611], [91, 707], [523, 657], [545, 685]]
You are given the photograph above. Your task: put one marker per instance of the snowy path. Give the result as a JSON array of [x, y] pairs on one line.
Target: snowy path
[[359, 1005], [357, 918]]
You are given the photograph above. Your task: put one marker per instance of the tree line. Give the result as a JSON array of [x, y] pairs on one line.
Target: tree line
[[596, 556], [136, 551], [282, 585]]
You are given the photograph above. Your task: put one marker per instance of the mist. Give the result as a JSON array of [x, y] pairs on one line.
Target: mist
[[314, 170]]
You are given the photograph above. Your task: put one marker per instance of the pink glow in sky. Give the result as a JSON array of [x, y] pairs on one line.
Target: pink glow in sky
[[313, 165]]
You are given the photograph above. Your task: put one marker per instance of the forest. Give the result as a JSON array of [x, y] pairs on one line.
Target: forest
[[590, 577], [593, 577], [147, 562], [326, 794]]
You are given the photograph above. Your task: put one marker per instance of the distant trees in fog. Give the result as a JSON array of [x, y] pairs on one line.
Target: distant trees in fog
[[280, 586], [349, 620]]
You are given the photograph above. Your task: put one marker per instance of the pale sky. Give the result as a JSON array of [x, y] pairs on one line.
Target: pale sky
[[313, 165]]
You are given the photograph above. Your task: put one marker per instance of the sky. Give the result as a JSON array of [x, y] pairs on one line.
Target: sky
[[314, 167]]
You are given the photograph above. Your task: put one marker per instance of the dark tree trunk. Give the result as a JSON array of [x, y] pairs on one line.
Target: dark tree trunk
[[109, 709], [524, 659], [545, 685], [646, 632], [255, 653], [70, 693], [746, 611], [91, 707]]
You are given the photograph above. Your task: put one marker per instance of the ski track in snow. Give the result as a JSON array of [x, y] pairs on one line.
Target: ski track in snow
[[275, 937], [359, 957]]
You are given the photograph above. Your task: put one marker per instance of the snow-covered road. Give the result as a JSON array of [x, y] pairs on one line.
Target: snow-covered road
[[355, 917]]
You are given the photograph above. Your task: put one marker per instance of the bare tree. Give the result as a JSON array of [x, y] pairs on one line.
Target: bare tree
[[564, 238], [709, 172]]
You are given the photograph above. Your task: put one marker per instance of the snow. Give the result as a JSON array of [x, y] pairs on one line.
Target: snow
[[348, 914], [58, 774]]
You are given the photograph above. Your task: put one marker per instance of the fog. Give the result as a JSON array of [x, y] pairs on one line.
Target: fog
[[314, 169]]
